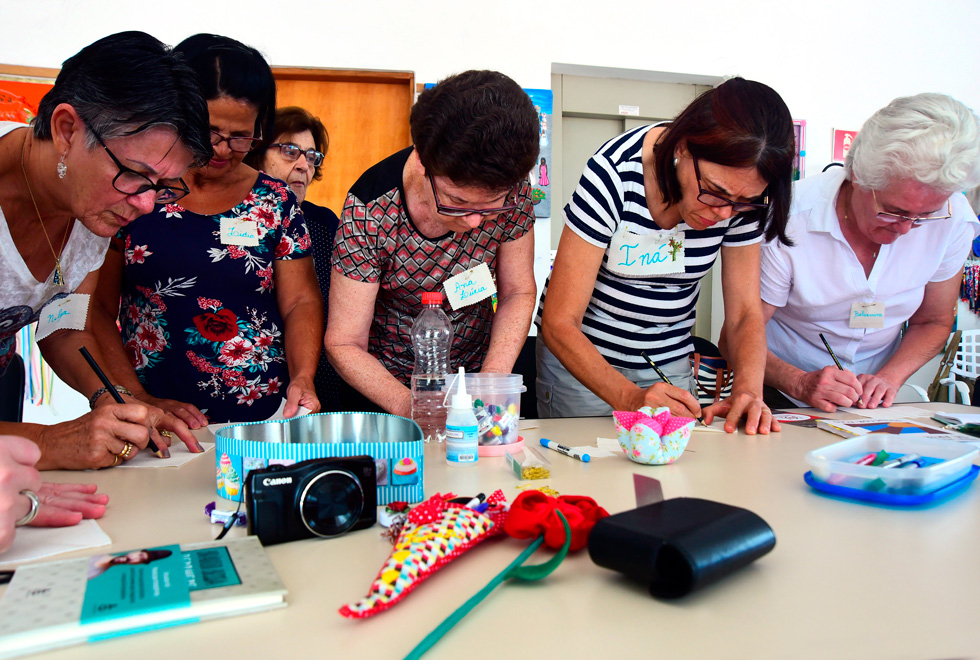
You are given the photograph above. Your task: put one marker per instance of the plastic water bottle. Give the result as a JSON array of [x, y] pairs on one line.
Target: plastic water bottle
[[462, 431], [432, 336]]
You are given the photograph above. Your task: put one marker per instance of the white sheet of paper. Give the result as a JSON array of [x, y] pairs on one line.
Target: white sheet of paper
[[893, 412], [596, 452], [275, 417], [609, 445], [178, 456], [32, 543], [717, 426]]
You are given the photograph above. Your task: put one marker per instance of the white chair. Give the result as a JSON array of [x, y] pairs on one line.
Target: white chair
[[966, 365], [917, 394]]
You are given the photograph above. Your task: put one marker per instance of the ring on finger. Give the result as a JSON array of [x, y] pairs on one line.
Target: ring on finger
[[115, 460], [166, 434], [35, 507], [127, 450]]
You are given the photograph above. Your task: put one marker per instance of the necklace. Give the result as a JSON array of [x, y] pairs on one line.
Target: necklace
[[59, 278]]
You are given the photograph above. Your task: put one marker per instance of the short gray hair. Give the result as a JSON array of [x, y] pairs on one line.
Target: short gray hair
[[931, 138]]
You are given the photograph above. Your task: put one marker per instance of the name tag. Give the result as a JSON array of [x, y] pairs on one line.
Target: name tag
[[68, 313], [640, 255], [470, 287], [238, 231], [867, 315]]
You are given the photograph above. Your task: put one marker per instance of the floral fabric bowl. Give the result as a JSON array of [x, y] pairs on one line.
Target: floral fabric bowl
[[653, 437]]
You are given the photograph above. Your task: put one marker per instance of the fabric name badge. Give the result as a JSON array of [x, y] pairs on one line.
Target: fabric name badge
[[239, 231], [470, 287], [67, 313], [640, 255], [867, 315]]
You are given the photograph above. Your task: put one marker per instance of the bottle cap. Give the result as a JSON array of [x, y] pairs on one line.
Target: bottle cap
[[432, 298], [461, 399]]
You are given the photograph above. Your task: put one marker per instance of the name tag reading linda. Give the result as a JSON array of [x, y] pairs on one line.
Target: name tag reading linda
[[470, 286], [67, 313], [639, 255], [867, 315], [239, 231]]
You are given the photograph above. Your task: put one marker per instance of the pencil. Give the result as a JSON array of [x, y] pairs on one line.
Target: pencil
[[663, 377], [112, 390], [834, 356]]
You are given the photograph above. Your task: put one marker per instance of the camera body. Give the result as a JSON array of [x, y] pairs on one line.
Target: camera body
[[320, 497]]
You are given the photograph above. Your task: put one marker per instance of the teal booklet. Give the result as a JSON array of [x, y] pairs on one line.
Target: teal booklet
[[55, 604]]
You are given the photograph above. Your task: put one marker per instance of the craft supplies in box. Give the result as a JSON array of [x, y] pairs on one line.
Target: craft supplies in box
[[394, 442], [902, 465], [497, 406]]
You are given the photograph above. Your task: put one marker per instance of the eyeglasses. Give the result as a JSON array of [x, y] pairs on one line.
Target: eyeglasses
[[916, 220], [236, 143], [131, 182], [456, 212], [292, 151], [715, 200]]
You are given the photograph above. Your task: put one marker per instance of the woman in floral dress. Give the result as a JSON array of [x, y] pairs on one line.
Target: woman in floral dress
[[220, 311]]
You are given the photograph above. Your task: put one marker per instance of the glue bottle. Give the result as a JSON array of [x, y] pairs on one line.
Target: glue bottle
[[462, 432]]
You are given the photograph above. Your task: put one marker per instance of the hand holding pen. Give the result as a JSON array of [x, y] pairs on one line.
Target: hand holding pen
[[677, 395], [831, 386]]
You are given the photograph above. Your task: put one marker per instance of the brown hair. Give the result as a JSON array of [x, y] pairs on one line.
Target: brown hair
[[290, 121]]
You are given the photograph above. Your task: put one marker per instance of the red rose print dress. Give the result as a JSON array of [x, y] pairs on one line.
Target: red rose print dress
[[198, 316]]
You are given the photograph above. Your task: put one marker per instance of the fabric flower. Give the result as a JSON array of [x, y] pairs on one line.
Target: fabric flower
[[533, 514], [221, 325]]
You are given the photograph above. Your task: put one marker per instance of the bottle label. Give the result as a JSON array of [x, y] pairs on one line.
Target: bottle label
[[462, 444]]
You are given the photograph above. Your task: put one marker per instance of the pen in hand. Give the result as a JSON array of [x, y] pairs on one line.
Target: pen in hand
[[834, 356], [664, 378], [112, 391]]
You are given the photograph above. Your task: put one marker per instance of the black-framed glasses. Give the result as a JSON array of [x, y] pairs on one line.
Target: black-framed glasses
[[916, 220], [457, 212], [290, 151], [131, 182], [237, 143], [715, 200]]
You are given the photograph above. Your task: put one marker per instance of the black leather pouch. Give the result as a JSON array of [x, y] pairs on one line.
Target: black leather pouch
[[679, 545]]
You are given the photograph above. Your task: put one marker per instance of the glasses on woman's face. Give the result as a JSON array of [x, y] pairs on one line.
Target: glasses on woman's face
[[457, 212], [290, 152], [715, 200], [131, 182], [236, 143], [916, 220]]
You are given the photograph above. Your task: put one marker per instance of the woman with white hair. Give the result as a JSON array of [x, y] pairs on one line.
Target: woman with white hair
[[854, 276]]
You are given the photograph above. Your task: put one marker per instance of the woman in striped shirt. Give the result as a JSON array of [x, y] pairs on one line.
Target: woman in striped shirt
[[652, 211]]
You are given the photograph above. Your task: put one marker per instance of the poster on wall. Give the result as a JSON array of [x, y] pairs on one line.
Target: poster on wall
[[842, 144], [20, 96], [799, 133], [540, 179]]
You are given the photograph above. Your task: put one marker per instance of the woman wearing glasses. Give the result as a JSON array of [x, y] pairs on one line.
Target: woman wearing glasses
[[652, 211], [877, 243], [220, 312], [295, 154]]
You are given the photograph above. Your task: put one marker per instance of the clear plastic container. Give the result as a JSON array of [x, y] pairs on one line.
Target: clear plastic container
[[497, 406], [432, 337], [945, 462]]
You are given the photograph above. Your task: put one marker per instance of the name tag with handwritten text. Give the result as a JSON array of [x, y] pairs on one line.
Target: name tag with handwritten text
[[641, 255], [867, 315], [470, 286], [239, 231], [67, 313]]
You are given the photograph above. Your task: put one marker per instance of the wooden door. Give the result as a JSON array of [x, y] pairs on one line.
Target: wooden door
[[365, 114]]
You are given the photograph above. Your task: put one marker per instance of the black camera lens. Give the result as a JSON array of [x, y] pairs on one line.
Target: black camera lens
[[331, 503]]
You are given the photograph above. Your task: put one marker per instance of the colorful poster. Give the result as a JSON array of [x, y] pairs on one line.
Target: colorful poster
[[540, 178], [842, 144], [799, 133]]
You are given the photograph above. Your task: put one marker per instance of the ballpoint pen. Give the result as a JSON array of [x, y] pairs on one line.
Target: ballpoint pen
[[834, 357], [664, 378]]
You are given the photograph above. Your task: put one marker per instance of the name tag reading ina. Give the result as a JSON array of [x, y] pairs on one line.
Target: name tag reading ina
[[640, 255], [67, 313], [470, 286], [239, 231], [867, 315]]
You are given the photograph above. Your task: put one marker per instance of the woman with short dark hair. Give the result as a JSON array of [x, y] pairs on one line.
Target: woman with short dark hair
[[652, 211]]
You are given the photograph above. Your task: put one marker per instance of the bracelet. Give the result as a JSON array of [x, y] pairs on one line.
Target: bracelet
[[102, 390], [35, 507]]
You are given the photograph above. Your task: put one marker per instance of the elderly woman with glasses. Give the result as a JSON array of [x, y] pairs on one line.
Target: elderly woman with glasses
[[295, 152], [651, 214], [220, 313], [854, 276]]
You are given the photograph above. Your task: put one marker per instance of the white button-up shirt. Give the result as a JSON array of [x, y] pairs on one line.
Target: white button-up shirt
[[814, 283]]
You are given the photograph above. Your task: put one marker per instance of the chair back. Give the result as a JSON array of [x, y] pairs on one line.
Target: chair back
[[966, 362]]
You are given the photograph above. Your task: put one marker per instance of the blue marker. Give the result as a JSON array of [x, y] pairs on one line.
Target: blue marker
[[900, 461], [567, 451]]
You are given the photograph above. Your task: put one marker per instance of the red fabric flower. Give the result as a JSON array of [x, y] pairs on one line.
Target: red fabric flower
[[533, 514], [217, 326]]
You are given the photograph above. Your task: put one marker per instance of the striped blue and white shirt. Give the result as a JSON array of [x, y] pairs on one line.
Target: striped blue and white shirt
[[629, 314]]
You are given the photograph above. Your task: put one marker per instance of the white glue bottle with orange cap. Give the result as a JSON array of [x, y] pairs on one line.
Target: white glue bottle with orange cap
[[462, 432]]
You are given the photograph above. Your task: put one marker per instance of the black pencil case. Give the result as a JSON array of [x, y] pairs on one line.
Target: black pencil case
[[679, 545]]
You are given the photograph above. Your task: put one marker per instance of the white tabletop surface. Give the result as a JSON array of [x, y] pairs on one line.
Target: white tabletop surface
[[844, 580]]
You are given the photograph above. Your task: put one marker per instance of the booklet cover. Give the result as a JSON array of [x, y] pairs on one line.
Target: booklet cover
[[54, 604], [854, 427]]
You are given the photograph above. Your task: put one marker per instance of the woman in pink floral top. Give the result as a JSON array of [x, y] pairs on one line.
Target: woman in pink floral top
[[217, 289]]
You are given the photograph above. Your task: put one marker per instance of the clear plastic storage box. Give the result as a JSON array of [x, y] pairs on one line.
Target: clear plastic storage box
[[945, 462]]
